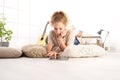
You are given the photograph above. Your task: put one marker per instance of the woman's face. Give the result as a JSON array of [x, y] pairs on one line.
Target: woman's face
[[59, 27]]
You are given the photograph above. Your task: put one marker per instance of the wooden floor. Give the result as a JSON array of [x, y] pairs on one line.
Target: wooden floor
[[100, 68]]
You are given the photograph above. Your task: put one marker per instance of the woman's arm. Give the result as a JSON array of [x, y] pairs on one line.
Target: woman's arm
[[51, 54], [49, 47], [62, 44], [70, 39], [60, 38]]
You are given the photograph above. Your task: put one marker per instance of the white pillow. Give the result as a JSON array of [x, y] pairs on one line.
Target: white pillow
[[83, 51]]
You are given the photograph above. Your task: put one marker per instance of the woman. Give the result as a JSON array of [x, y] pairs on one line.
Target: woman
[[60, 37]]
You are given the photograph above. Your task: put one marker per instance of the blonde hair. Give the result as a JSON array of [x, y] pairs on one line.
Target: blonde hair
[[59, 16]]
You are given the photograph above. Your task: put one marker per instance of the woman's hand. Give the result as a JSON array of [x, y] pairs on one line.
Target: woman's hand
[[53, 54], [61, 35], [60, 38]]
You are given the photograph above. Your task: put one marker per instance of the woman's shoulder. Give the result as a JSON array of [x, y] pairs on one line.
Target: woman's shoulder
[[52, 33], [70, 32]]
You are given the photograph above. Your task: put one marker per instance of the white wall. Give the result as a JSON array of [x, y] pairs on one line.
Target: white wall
[[27, 18]]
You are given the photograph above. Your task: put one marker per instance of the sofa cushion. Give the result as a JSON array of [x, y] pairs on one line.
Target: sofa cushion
[[34, 51], [7, 52]]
